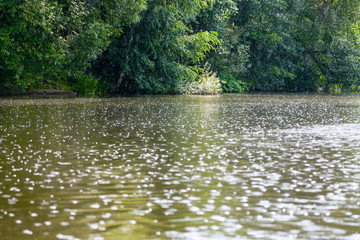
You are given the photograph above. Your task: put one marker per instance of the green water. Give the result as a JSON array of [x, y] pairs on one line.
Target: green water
[[181, 167]]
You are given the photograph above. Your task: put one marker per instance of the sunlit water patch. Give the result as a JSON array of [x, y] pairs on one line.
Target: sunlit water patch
[[181, 167]]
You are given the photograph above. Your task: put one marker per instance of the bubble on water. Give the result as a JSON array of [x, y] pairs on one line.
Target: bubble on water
[[95, 205], [66, 237], [27, 232], [97, 238], [12, 201], [194, 209], [215, 227], [106, 215], [218, 218], [33, 214], [94, 226]]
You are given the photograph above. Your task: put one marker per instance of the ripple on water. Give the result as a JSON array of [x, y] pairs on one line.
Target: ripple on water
[[222, 167]]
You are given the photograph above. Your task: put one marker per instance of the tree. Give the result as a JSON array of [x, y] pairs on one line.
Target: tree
[[29, 47], [299, 45], [51, 42], [231, 56], [160, 45], [160, 52]]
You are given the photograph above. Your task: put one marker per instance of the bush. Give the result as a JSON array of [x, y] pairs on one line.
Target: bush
[[207, 84], [88, 85], [230, 83]]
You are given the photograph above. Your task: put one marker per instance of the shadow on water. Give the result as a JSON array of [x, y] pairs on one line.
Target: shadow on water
[[180, 167]]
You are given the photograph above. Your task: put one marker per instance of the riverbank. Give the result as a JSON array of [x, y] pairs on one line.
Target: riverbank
[[40, 92]]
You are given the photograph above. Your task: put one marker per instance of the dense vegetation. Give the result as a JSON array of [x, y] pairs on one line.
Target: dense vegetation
[[171, 46]]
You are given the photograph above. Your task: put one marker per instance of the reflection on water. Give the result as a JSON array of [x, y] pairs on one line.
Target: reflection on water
[[181, 167]]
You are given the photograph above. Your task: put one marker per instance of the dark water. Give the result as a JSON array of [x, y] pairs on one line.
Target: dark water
[[181, 167]]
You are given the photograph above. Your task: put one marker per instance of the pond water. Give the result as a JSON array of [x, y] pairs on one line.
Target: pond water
[[181, 167]]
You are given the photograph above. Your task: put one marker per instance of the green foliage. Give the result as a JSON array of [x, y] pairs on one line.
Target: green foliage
[[29, 48], [157, 46], [231, 55], [231, 83], [42, 42], [88, 85], [286, 45], [207, 84], [158, 53], [295, 44], [119, 13]]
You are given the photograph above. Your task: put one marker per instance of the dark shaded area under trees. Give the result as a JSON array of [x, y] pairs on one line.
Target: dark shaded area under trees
[[160, 46]]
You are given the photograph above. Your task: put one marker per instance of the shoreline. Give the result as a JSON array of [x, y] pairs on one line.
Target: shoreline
[[40, 92]]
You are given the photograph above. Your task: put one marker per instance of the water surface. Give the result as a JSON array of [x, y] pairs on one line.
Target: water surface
[[181, 167]]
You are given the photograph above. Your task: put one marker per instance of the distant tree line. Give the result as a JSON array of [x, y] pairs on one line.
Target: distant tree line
[[161, 46]]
